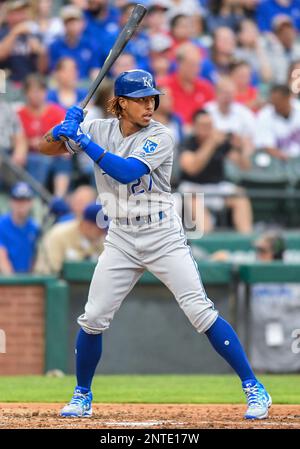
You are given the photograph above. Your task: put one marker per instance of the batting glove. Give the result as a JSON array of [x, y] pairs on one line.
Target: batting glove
[[69, 129], [56, 132], [75, 113]]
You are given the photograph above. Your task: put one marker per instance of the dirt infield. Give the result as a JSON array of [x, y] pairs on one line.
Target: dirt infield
[[155, 416]]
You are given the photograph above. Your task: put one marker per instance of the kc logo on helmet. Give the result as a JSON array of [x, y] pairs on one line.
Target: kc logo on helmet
[[148, 82]]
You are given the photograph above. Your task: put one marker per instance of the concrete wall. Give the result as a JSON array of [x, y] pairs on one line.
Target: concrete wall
[[150, 334]]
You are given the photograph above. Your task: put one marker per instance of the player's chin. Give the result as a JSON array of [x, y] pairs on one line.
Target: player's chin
[[145, 121]]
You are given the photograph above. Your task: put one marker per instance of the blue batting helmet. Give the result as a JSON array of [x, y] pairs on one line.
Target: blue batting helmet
[[136, 84]]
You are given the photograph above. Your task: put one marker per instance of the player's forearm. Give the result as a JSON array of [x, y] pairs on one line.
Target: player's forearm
[[49, 145], [122, 170], [193, 163]]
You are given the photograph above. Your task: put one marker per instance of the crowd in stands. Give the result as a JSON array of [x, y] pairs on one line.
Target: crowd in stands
[[228, 69]]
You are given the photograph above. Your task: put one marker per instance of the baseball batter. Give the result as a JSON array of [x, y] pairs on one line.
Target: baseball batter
[[133, 155]]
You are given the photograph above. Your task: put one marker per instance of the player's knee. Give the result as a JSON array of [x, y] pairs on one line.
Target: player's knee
[[93, 323], [202, 316]]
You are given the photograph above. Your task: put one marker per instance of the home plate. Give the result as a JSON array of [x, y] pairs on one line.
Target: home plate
[[137, 424]]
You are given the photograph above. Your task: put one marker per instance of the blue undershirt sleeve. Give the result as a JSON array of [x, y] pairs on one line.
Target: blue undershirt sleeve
[[123, 170]]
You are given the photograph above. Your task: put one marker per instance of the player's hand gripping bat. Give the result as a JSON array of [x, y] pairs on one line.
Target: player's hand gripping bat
[[126, 34]]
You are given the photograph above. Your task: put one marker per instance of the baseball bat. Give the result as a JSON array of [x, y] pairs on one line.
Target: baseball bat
[[126, 34]]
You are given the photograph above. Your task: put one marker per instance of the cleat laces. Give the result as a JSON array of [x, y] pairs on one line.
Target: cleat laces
[[255, 396]]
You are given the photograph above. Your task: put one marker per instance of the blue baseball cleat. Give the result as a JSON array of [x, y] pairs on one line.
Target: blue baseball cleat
[[258, 399], [80, 405]]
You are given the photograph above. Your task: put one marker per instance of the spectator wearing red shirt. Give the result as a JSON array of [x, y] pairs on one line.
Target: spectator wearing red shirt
[[246, 94], [37, 117], [189, 92]]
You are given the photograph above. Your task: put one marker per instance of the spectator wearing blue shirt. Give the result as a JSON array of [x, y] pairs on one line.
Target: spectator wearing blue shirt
[[138, 46], [221, 55], [223, 13], [18, 233], [102, 26], [21, 49], [66, 93], [268, 9], [74, 44]]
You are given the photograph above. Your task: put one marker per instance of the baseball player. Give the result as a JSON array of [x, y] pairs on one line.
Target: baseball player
[[132, 156]]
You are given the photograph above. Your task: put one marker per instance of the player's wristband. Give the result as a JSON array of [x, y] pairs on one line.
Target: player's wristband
[[94, 151]]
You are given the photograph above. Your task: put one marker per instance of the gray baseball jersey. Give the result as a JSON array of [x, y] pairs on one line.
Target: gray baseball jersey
[[158, 246], [152, 145]]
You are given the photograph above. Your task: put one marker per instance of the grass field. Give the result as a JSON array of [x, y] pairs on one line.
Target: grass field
[[180, 389]]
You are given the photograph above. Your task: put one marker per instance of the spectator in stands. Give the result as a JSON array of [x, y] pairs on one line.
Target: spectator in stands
[[48, 27], [139, 44], [282, 47], [67, 93], [126, 61], [267, 10], [37, 117], [251, 49], [202, 160], [18, 233], [221, 55], [181, 32], [186, 7], [269, 246], [73, 206], [189, 91], [160, 58], [76, 240], [277, 128], [156, 18], [229, 116], [224, 13], [12, 140], [249, 9], [246, 93], [102, 19], [165, 114], [80, 198], [21, 50], [75, 44], [59, 210], [294, 80]]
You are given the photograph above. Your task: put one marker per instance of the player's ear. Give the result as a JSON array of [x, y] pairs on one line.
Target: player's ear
[[123, 103]]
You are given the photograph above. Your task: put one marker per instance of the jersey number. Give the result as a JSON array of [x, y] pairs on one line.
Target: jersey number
[[135, 187]]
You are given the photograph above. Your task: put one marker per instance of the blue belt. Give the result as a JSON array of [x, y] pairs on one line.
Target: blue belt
[[135, 221]]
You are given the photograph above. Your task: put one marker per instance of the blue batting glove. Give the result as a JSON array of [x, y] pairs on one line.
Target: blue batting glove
[[75, 113], [69, 129], [56, 131]]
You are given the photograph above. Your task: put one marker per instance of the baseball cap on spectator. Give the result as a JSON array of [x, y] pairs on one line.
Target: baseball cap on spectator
[[93, 213], [16, 4], [70, 12], [21, 191], [156, 5], [160, 42], [281, 20], [59, 207]]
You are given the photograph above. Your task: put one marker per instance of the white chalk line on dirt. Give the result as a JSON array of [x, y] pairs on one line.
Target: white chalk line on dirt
[[142, 423]]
